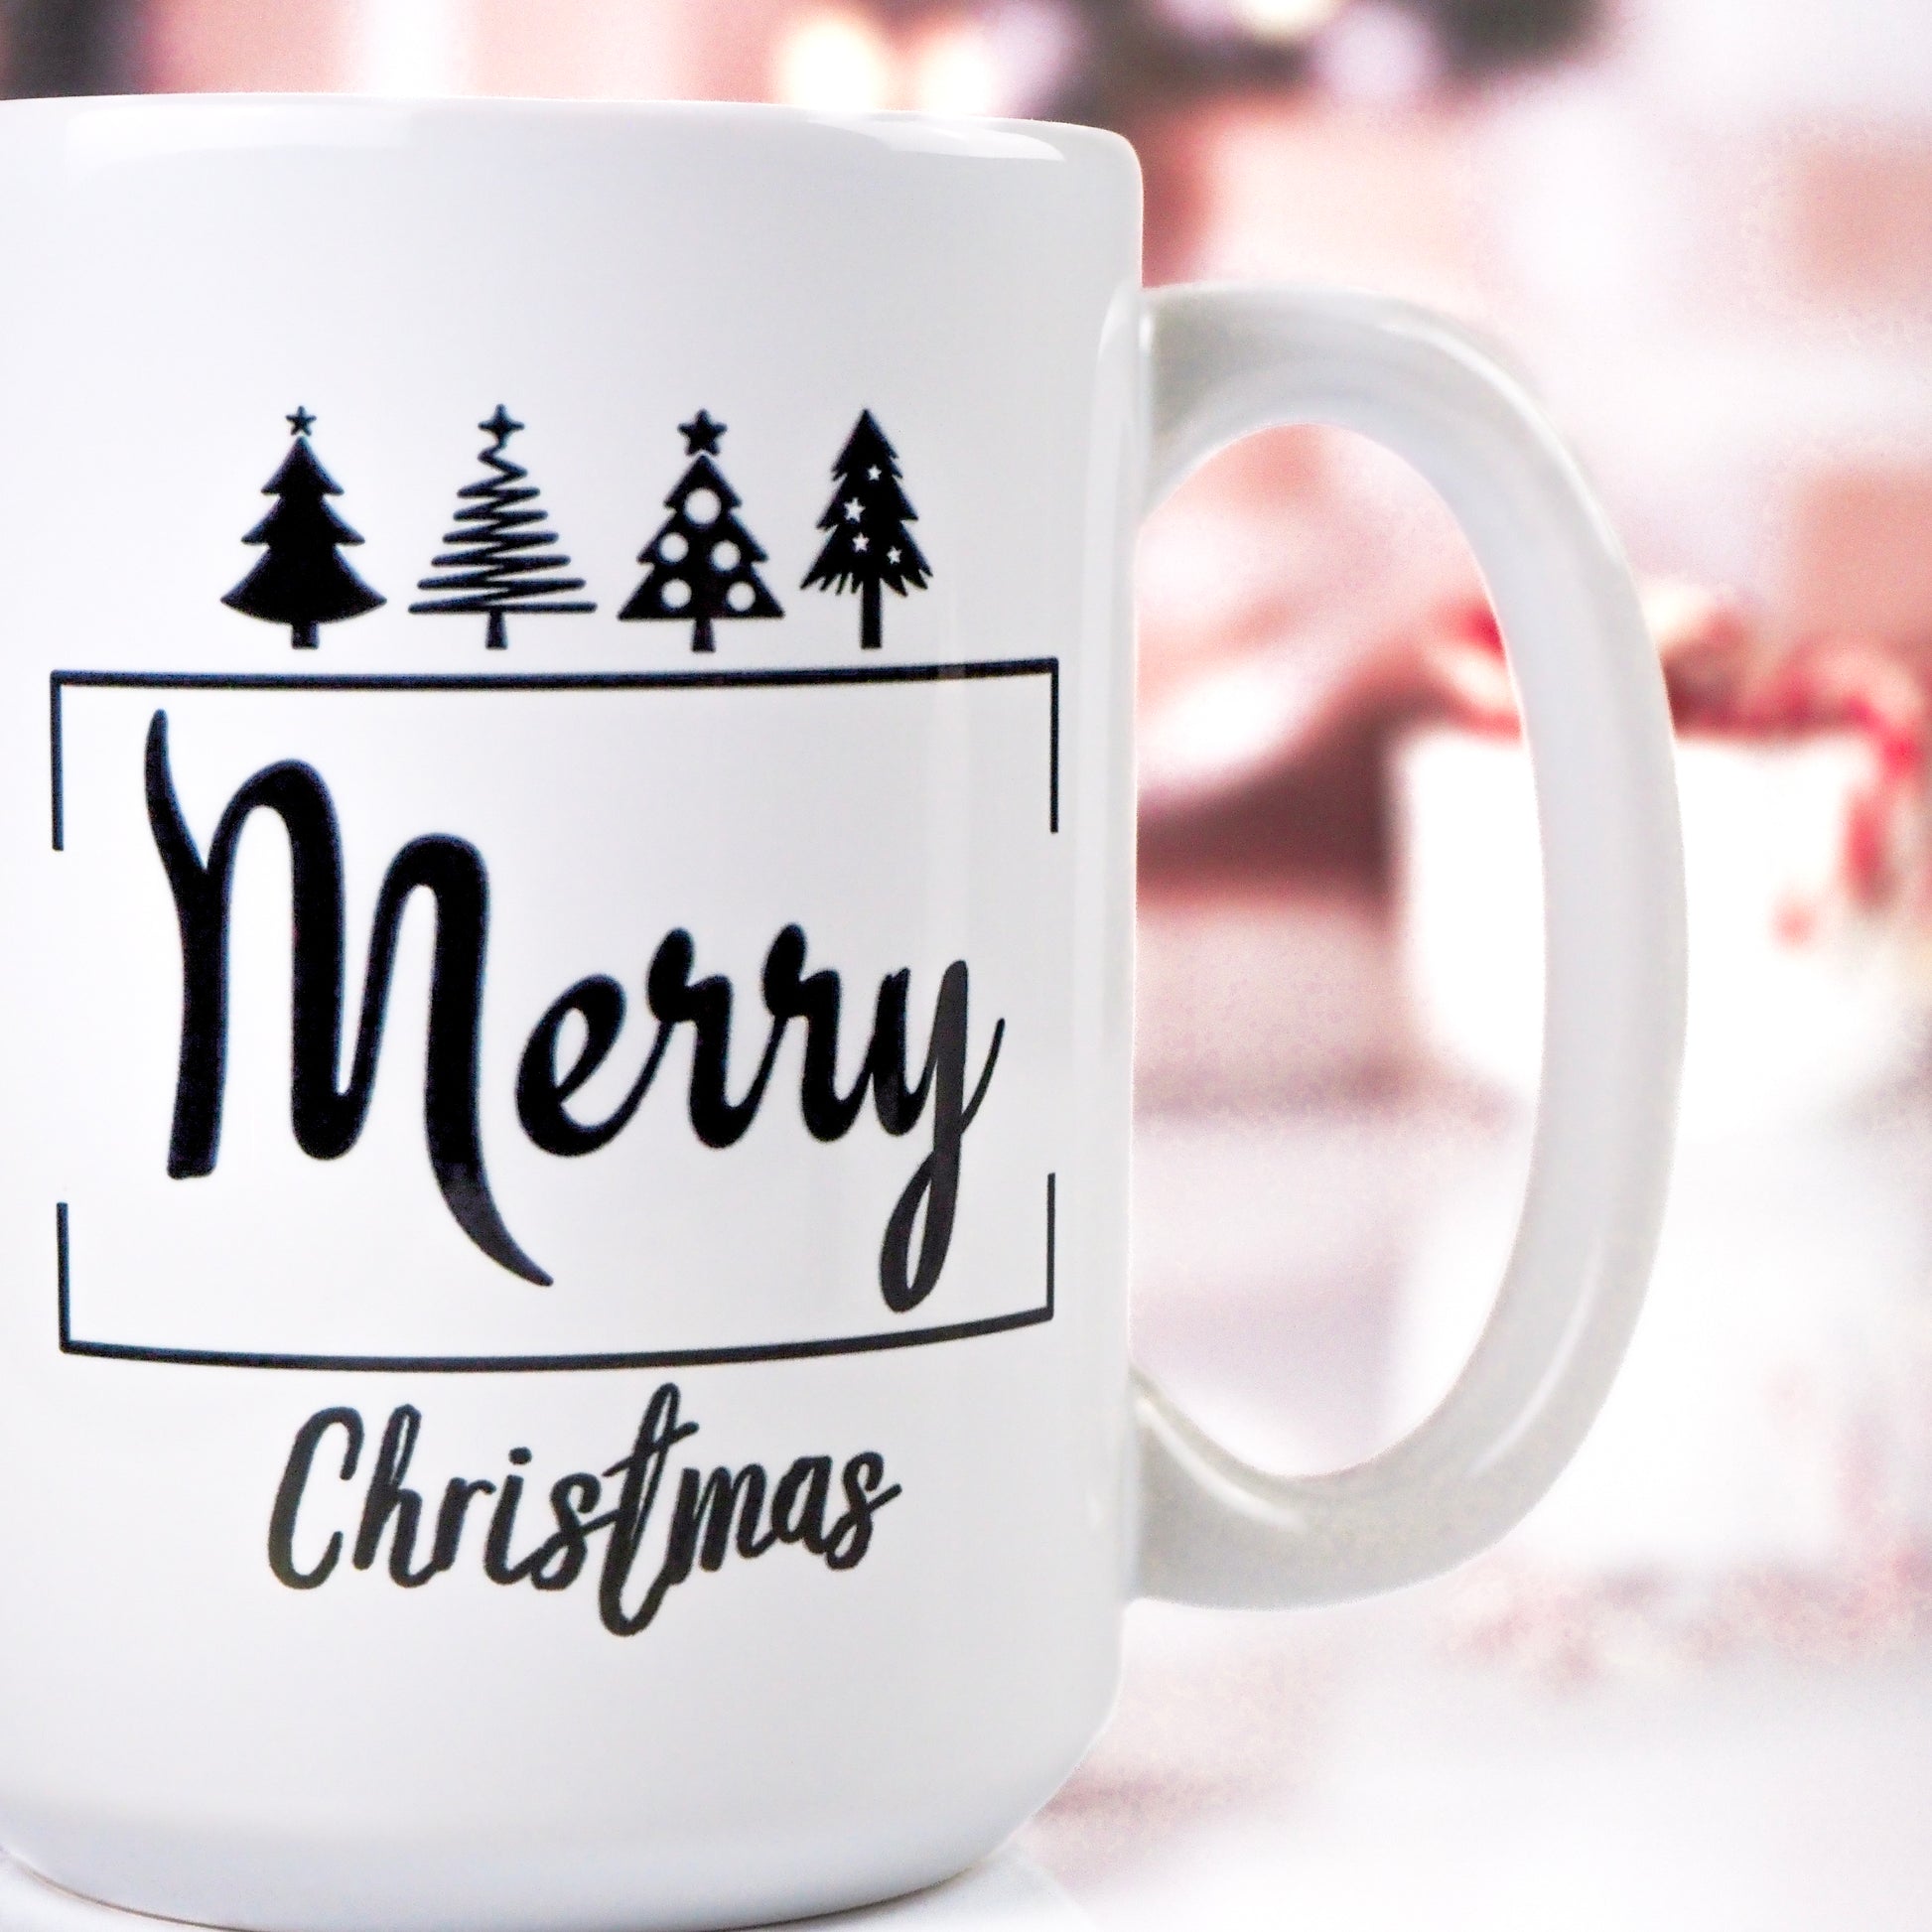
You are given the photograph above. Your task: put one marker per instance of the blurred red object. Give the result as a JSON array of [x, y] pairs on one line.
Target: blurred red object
[[1268, 773], [1727, 677]]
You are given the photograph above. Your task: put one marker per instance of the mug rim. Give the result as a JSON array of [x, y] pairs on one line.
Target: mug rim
[[962, 136]]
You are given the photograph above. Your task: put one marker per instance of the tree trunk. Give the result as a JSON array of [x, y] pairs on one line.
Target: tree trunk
[[701, 634], [497, 636], [303, 637], [868, 615]]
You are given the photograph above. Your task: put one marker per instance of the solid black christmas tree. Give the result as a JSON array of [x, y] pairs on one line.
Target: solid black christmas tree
[[702, 559], [502, 562], [868, 548], [300, 578]]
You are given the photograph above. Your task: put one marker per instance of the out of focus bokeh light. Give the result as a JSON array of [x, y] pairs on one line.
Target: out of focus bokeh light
[[835, 60]]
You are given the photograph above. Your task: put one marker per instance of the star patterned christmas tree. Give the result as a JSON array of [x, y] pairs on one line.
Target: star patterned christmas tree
[[868, 549]]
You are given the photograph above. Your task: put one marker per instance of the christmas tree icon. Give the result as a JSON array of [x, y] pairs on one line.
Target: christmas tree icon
[[500, 561], [300, 578], [869, 547], [702, 559]]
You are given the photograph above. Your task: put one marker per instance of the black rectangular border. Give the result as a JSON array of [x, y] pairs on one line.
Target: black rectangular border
[[1047, 667], [705, 680], [781, 1352]]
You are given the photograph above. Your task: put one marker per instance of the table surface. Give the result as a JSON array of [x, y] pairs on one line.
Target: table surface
[[1364, 1768]]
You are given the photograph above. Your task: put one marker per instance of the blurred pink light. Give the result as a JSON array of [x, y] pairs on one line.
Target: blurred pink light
[[835, 60], [956, 72]]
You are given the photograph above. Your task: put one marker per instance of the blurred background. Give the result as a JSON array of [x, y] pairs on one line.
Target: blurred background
[[1696, 1688]]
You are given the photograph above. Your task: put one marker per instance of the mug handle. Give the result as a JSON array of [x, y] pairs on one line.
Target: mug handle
[[1221, 363]]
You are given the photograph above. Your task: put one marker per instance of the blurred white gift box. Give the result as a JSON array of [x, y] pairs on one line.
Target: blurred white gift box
[[1804, 992]]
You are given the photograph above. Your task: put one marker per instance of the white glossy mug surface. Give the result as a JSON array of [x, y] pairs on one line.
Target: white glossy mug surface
[[563, 1356]]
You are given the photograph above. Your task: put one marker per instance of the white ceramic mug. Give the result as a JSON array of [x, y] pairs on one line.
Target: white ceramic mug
[[647, 1438]]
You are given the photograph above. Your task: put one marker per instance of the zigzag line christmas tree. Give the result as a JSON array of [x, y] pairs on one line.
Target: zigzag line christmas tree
[[869, 547], [501, 564], [300, 580], [702, 558]]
